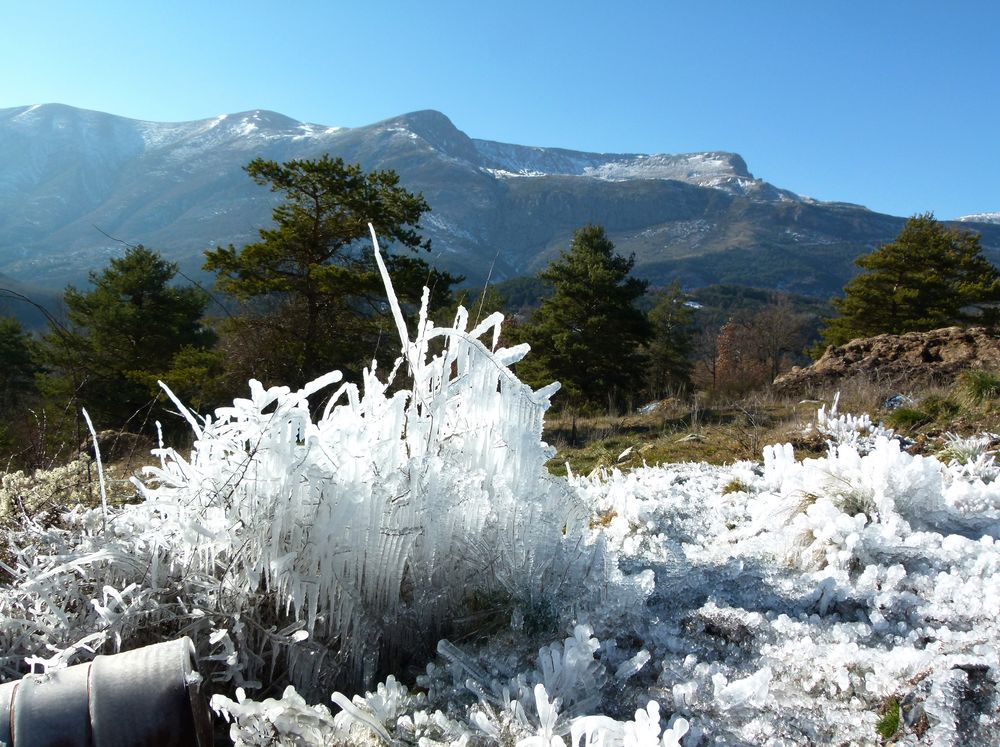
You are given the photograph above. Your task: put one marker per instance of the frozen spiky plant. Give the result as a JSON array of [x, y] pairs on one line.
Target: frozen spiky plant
[[326, 540], [846, 429], [971, 455]]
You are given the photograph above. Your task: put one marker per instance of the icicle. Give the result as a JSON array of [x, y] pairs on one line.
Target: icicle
[[397, 313], [357, 714], [183, 410]]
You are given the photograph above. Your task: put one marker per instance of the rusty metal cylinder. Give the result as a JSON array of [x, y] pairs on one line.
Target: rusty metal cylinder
[[148, 696]]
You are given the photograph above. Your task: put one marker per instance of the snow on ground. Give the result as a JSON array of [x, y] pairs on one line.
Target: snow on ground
[[794, 603]]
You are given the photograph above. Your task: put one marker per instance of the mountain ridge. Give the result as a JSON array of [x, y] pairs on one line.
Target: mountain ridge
[[72, 177]]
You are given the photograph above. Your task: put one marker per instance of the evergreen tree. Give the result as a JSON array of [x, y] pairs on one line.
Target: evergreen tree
[[930, 276], [123, 334], [672, 342], [478, 303], [316, 299], [588, 334], [18, 365]]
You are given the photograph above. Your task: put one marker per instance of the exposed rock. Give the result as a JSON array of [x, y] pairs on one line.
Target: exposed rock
[[914, 358]]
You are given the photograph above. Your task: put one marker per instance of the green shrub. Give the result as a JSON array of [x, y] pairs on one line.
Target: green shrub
[[735, 486], [977, 386], [907, 418], [940, 408]]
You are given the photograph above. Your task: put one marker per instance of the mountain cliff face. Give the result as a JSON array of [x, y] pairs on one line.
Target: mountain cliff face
[[74, 184]]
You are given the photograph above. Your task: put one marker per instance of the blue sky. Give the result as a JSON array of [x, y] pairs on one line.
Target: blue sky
[[889, 103]]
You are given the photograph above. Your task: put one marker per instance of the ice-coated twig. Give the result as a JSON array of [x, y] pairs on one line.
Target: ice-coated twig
[[100, 467]]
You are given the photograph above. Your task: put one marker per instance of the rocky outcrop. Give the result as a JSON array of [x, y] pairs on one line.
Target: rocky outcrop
[[914, 358]]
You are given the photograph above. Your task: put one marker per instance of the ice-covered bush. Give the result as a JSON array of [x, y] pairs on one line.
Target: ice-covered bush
[[320, 540], [971, 456]]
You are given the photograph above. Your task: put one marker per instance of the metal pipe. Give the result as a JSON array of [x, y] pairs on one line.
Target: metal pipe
[[149, 696]]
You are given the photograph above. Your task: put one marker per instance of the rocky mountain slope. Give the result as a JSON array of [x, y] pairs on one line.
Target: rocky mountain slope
[[75, 183]]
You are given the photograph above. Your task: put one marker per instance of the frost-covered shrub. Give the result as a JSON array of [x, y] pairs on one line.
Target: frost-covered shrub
[[26, 493], [321, 541], [288, 721], [971, 456], [846, 429]]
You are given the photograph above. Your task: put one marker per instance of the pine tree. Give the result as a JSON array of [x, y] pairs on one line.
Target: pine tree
[[18, 393], [930, 276], [672, 343], [123, 334], [588, 334], [18, 364], [316, 297]]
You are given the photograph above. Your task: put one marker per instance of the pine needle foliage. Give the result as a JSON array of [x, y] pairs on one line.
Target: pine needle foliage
[[672, 344], [589, 332], [929, 277], [123, 334], [317, 298]]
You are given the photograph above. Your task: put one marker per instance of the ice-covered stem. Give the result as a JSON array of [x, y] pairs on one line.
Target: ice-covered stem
[[397, 314], [100, 467]]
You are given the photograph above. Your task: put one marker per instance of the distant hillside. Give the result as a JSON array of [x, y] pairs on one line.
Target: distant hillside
[[29, 303], [73, 182]]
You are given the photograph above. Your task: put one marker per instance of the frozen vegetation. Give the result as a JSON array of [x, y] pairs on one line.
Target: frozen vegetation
[[835, 600]]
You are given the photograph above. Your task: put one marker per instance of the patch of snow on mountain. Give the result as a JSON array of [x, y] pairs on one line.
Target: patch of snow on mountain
[[980, 218], [692, 167], [504, 174], [247, 130], [403, 132], [718, 170], [160, 134], [521, 160], [310, 131], [436, 222], [29, 110], [246, 127]]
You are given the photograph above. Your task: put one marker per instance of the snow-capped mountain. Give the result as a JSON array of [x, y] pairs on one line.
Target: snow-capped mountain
[[74, 184]]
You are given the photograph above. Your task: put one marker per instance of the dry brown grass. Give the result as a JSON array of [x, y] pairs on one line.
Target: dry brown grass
[[679, 431], [722, 431]]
